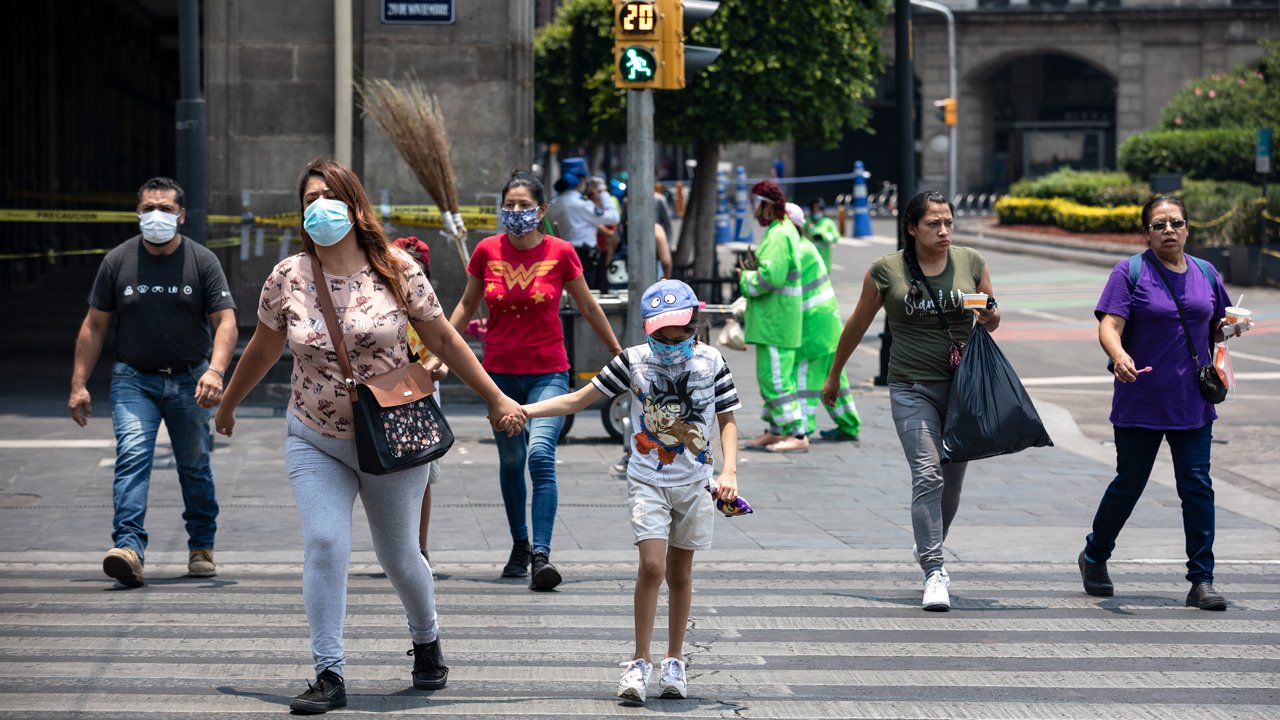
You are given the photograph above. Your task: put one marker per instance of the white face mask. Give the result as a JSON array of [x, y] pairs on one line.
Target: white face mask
[[158, 227]]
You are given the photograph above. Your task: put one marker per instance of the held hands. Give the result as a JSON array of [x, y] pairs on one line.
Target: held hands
[[507, 415], [439, 371]]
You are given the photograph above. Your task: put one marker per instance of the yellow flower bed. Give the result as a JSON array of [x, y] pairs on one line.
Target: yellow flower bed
[[1068, 215]]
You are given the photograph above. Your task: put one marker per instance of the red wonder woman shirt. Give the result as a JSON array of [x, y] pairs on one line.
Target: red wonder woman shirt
[[522, 291]]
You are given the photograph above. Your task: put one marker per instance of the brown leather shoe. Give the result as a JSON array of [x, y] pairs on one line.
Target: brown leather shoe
[[124, 565], [200, 564]]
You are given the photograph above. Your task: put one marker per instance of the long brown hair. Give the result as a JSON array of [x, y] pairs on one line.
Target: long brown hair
[[369, 235]]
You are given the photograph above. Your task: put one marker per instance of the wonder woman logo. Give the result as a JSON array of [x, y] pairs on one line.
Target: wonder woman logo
[[520, 276]]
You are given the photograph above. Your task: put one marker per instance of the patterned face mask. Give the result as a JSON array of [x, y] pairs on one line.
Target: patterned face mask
[[519, 222], [672, 354]]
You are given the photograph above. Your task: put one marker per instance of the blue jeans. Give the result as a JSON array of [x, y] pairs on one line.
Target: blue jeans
[[139, 401], [536, 446], [1136, 450]]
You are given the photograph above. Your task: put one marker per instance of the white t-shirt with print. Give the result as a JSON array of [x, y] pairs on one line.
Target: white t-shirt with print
[[673, 410]]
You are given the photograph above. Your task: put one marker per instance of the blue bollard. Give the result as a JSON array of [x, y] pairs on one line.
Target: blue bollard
[[861, 214], [724, 233], [740, 213]]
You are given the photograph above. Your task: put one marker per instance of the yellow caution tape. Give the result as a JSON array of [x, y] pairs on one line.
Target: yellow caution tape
[[69, 216]]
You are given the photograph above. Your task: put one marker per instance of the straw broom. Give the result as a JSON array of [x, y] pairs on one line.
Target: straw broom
[[412, 119]]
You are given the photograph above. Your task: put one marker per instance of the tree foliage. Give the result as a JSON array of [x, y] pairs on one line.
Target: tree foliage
[[1245, 97], [787, 71]]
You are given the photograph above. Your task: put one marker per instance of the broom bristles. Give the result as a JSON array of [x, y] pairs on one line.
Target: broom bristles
[[414, 122]]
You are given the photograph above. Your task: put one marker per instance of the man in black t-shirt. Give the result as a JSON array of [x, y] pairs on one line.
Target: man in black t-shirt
[[166, 294]]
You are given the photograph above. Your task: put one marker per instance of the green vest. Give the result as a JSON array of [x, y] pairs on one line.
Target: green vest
[[773, 291], [821, 324]]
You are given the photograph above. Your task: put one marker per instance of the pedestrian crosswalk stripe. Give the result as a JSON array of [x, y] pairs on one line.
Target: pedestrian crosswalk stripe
[[819, 640]]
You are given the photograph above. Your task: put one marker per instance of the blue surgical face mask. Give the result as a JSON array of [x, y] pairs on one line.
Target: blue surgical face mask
[[519, 222], [672, 354], [326, 221]]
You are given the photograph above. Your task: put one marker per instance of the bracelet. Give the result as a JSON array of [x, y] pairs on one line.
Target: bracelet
[[218, 373]]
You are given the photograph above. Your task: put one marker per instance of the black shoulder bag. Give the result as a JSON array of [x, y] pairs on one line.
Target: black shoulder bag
[[1207, 378], [397, 421]]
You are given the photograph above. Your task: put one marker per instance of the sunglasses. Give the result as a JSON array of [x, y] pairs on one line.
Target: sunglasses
[[1160, 226]]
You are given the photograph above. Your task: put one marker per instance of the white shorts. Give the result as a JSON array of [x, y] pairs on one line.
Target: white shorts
[[680, 515]]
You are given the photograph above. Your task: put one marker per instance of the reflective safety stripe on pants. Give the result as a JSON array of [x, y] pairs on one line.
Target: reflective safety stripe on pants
[[776, 375]]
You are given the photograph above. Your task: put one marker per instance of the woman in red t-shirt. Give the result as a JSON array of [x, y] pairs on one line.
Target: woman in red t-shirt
[[520, 275]]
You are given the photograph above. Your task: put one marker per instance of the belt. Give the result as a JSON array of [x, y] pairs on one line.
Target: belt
[[169, 370]]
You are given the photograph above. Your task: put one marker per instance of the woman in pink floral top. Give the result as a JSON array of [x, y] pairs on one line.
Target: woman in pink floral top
[[378, 292]]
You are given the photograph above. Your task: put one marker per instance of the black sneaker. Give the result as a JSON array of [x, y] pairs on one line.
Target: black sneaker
[[327, 693], [1205, 597], [545, 575], [429, 670], [1096, 580], [518, 563]]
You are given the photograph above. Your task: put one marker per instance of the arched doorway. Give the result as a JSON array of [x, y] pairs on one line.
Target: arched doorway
[[1049, 111]]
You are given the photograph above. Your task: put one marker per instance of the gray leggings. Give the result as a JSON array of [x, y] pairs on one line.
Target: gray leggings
[[326, 479], [919, 410]]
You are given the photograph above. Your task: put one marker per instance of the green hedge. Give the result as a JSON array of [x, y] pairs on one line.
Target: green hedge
[[1086, 187], [1218, 154]]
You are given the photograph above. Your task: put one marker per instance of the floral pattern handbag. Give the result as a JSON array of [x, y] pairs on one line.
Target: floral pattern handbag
[[397, 422]]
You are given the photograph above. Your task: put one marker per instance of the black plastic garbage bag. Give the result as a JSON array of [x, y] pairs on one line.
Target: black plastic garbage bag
[[988, 413]]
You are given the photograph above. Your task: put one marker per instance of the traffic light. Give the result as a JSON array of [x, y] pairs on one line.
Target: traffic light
[[648, 42], [946, 110], [637, 27]]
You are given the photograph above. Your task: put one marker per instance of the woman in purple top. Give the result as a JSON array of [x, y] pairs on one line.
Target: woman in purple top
[[1156, 394]]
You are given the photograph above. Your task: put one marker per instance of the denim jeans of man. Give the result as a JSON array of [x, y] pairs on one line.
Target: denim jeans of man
[[536, 446], [1136, 450], [139, 401]]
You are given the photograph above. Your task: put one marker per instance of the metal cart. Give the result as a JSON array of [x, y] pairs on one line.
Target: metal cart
[[587, 355]]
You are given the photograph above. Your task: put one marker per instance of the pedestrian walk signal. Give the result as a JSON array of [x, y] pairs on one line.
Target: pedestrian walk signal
[[648, 42], [637, 64]]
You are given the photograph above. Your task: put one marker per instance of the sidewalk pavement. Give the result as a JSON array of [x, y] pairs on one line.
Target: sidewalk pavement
[[839, 502]]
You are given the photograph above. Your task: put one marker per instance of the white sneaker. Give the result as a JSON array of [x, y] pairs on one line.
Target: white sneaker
[[936, 597], [946, 579], [673, 683], [635, 681]]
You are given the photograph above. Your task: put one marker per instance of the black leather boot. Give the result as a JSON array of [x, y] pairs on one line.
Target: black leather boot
[[545, 575], [1097, 581], [518, 563], [429, 670]]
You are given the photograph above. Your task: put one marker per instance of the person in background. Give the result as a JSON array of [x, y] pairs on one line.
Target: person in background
[[773, 321], [378, 291], [820, 331], [914, 286], [553, 222], [822, 231], [520, 275], [165, 293], [1156, 396], [421, 253], [679, 386], [581, 213]]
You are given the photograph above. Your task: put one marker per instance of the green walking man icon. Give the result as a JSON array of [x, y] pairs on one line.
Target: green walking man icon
[[637, 66]]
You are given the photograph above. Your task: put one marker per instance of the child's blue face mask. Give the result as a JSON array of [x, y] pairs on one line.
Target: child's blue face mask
[[674, 353]]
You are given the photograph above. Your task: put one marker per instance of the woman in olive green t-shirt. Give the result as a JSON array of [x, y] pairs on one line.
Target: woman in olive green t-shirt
[[913, 285]]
